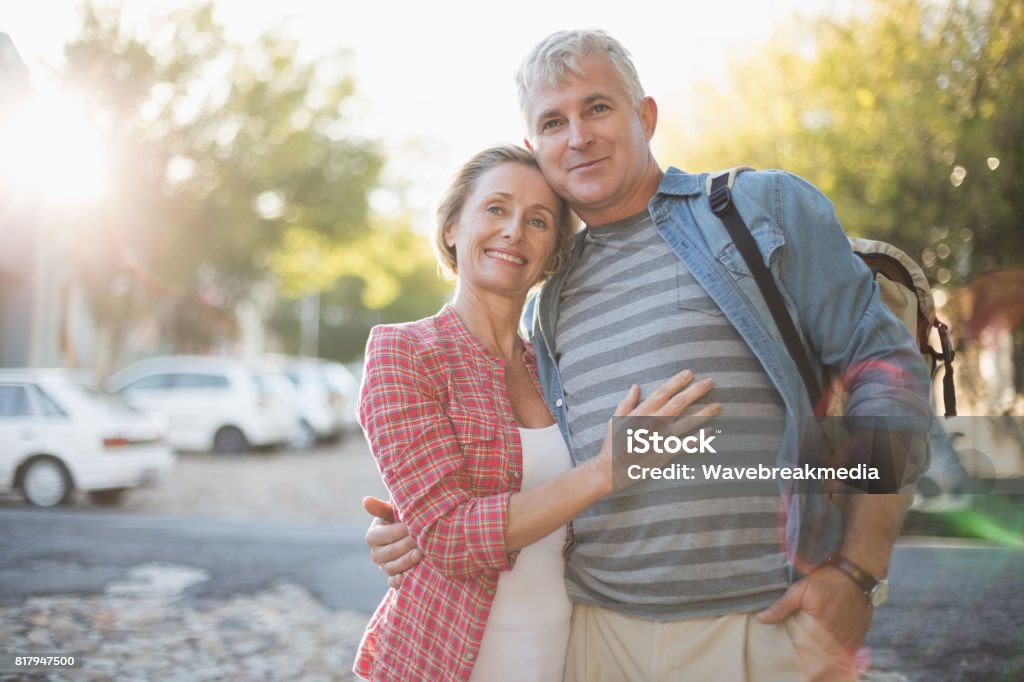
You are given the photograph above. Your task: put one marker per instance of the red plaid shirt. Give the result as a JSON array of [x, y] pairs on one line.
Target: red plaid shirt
[[440, 424]]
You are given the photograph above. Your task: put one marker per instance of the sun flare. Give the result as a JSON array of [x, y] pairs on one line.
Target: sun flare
[[54, 149]]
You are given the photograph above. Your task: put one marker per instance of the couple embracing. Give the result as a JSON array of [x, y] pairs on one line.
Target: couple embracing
[[511, 556]]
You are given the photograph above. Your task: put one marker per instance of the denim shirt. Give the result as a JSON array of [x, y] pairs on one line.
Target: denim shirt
[[830, 294]]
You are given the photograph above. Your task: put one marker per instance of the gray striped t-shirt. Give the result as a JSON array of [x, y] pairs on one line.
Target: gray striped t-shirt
[[631, 312]]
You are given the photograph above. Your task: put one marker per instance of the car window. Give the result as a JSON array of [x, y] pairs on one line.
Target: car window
[[200, 381], [273, 383], [14, 401], [46, 404], [149, 382], [98, 396]]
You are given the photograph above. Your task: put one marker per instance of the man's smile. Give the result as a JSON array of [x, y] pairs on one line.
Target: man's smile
[[586, 165]]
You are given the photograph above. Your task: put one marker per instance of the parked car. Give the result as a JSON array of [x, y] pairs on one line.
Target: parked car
[[59, 433], [982, 455], [943, 487], [344, 383], [211, 403], [319, 407]]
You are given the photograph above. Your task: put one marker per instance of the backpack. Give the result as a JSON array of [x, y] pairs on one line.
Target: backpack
[[903, 285]]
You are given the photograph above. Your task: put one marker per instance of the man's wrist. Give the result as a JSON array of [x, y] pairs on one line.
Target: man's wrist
[[874, 588]]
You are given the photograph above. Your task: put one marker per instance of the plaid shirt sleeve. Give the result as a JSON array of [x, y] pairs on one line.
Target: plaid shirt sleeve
[[418, 455]]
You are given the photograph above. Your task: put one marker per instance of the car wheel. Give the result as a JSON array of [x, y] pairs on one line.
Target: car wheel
[[108, 497], [229, 440], [45, 482], [304, 437]]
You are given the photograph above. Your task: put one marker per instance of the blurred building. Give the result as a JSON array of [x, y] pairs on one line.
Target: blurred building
[[37, 294]]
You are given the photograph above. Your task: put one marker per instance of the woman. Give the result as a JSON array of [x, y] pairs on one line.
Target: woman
[[475, 463]]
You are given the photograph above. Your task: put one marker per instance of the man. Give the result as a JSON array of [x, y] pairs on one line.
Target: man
[[694, 586]]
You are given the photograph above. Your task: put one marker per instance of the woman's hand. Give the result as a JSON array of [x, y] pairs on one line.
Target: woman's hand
[[391, 546], [669, 401]]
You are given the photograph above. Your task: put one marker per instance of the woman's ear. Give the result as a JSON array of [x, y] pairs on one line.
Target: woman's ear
[[449, 234]]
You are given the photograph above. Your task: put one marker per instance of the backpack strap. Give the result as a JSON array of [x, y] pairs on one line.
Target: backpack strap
[[720, 197], [946, 355]]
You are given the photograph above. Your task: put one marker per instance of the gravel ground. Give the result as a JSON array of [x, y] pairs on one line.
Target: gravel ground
[[282, 633], [321, 485]]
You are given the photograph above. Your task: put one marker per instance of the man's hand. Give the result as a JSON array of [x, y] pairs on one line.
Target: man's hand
[[833, 600], [391, 546]]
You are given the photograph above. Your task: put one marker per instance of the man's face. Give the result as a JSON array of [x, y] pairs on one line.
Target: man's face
[[592, 143]]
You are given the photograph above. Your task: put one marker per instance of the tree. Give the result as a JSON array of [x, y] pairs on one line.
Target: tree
[[390, 275], [220, 154], [910, 117]]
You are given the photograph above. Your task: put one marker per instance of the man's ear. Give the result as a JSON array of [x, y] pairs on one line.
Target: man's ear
[[649, 116], [526, 143]]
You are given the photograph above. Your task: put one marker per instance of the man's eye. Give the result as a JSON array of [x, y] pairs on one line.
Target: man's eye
[[600, 108], [547, 125]]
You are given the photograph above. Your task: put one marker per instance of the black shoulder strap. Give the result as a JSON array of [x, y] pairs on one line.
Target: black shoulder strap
[[720, 196]]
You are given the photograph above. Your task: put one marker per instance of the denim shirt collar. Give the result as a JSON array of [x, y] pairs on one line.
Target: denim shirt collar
[[679, 183]]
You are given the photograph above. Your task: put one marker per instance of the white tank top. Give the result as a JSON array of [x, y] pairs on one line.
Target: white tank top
[[527, 631]]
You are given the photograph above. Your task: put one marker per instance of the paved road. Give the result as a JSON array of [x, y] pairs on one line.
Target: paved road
[[957, 610], [956, 613], [79, 552]]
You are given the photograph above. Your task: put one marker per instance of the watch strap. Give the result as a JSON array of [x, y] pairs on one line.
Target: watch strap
[[864, 580]]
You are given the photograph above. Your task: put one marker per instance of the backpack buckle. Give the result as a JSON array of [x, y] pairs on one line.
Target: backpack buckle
[[721, 200]]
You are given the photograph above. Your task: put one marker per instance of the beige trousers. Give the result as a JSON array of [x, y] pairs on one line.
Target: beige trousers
[[605, 646]]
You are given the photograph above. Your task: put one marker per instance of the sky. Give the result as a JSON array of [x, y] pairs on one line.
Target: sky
[[441, 71]]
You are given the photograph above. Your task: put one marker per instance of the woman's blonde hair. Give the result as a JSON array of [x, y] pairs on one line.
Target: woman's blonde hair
[[461, 185]]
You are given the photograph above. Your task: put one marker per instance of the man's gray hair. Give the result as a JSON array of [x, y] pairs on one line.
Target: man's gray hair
[[559, 55]]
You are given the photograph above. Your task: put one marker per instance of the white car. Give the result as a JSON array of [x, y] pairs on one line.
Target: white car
[[210, 402], [345, 386], [321, 408], [59, 434]]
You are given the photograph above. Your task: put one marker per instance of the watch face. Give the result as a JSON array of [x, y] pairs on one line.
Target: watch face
[[880, 594]]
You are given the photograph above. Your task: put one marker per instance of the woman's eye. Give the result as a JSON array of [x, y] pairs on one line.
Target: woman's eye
[[496, 210], [537, 222]]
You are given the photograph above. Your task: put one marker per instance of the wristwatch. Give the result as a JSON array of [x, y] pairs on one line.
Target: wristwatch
[[876, 590]]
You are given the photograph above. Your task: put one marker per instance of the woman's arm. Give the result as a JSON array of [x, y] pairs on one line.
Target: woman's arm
[[423, 467], [420, 460], [535, 513]]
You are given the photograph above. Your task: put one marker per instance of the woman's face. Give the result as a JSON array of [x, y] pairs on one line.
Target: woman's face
[[506, 234]]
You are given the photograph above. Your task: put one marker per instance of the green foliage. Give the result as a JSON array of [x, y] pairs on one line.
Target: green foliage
[[220, 154], [389, 277], [909, 115]]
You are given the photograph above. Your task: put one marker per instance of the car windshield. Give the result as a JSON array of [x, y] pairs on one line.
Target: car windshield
[[273, 383], [97, 397], [341, 379]]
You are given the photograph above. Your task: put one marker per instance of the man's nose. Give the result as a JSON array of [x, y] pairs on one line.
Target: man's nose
[[579, 135]]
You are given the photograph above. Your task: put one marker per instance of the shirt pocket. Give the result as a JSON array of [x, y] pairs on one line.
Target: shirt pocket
[[768, 238], [690, 296], [483, 449]]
